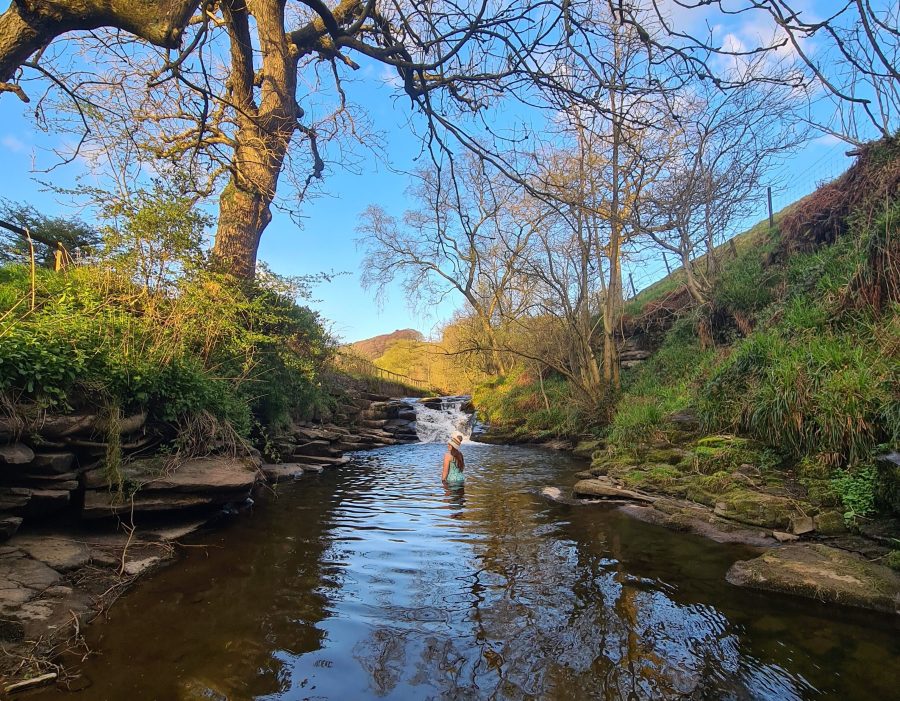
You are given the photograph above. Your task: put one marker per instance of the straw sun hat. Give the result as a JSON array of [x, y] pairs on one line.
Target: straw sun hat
[[456, 439]]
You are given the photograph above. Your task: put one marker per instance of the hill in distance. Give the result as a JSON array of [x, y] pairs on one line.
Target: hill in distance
[[375, 347]]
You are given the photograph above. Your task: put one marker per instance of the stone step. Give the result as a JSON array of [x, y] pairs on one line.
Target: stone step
[[319, 448], [373, 423]]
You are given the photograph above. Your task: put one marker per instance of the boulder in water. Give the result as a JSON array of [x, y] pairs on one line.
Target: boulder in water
[[820, 572]]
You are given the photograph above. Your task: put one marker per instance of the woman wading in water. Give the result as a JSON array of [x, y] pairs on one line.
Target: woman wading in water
[[454, 463]]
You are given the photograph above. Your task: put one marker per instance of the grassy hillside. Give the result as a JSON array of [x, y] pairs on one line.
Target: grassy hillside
[[796, 353], [375, 347]]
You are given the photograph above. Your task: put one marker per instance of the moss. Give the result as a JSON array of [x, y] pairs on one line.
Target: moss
[[892, 560], [670, 456], [663, 478], [716, 483], [696, 493], [755, 508], [821, 492], [830, 523]]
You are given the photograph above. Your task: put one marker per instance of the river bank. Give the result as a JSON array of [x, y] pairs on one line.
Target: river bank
[[68, 565], [710, 486]]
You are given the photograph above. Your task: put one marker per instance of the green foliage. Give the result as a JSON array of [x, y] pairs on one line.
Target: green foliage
[[519, 401], [659, 387], [192, 348], [745, 284], [155, 235], [46, 233], [857, 491]]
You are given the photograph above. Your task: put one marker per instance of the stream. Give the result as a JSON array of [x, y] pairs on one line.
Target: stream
[[375, 581]]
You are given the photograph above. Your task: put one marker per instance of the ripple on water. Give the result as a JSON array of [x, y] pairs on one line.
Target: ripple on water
[[378, 582]]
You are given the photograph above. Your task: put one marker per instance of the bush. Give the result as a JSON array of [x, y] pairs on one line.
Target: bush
[[857, 491], [205, 346]]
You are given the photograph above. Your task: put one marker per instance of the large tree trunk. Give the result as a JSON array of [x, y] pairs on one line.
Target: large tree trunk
[[264, 131], [243, 215]]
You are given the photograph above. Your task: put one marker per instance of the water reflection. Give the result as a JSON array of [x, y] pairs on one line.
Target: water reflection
[[380, 582]]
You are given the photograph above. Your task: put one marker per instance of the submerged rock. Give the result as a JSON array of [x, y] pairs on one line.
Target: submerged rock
[[820, 572]]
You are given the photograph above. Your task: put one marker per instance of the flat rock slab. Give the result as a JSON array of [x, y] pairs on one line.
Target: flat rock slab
[[16, 454], [606, 489], [51, 463], [59, 552], [686, 516], [22, 578], [101, 504], [283, 472], [820, 572], [202, 475]]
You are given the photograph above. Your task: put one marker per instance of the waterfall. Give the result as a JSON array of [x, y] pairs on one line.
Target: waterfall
[[437, 418]]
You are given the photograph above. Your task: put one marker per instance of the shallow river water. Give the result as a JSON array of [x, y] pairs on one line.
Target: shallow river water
[[375, 581]]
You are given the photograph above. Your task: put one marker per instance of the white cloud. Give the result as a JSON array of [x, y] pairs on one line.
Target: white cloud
[[13, 143], [389, 76]]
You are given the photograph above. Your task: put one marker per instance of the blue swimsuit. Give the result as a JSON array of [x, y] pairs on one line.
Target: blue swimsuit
[[454, 474]]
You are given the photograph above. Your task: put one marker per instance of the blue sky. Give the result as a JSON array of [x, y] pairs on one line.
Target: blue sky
[[326, 242]]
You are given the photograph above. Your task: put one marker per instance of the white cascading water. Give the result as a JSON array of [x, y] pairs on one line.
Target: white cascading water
[[435, 425]]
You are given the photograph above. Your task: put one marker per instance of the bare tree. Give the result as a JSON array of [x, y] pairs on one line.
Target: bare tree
[[850, 50], [258, 87], [463, 239], [723, 144]]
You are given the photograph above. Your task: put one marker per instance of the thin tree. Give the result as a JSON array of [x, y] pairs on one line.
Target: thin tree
[[462, 239]]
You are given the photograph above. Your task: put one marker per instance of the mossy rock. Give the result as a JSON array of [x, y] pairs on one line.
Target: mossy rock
[[716, 483], [668, 456], [819, 572], [659, 478], [696, 493], [830, 523], [822, 492], [718, 442], [615, 466], [727, 453], [586, 449], [756, 508]]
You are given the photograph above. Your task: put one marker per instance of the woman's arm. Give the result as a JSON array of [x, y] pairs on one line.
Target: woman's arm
[[446, 469], [460, 461]]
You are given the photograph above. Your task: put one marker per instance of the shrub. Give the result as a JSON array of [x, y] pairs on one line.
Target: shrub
[[205, 347], [857, 491]]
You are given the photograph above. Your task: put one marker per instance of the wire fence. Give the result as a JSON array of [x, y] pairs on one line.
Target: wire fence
[[642, 268], [363, 369]]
